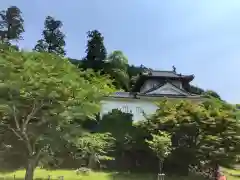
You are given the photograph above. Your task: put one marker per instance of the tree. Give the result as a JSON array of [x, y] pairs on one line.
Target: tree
[[95, 147], [53, 38], [96, 51], [213, 94], [196, 90], [200, 132], [41, 96], [11, 24], [134, 71], [117, 66], [161, 146]]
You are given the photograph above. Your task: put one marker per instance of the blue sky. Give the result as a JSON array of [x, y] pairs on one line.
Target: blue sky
[[198, 37]]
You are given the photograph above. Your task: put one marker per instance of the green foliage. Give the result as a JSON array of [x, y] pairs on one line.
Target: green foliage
[[196, 90], [200, 132], [111, 123], [41, 95], [96, 51], [213, 94], [160, 144], [116, 65], [11, 24], [133, 72], [53, 38], [95, 147]]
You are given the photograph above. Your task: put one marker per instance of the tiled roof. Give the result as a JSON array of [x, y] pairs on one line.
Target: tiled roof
[[171, 74], [164, 73], [161, 76], [138, 95]]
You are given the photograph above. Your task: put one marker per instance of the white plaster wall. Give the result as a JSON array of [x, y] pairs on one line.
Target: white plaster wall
[[129, 106]]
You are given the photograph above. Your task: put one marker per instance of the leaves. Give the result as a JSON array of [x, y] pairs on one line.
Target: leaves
[[160, 144], [53, 38], [11, 24], [207, 131], [116, 65], [42, 96], [95, 147]]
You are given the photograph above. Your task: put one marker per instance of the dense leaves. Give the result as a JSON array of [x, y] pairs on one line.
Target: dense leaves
[[95, 147], [116, 66], [41, 96], [96, 52], [53, 38], [161, 146], [200, 132], [11, 24]]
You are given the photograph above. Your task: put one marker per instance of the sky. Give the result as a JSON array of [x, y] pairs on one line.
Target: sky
[[197, 37]]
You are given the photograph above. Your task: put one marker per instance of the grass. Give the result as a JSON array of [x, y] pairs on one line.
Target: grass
[[71, 175], [232, 174]]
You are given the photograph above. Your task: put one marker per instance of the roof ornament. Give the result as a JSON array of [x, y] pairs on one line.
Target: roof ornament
[[174, 69]]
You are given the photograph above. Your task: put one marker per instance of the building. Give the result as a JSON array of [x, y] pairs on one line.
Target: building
[[150, 87]]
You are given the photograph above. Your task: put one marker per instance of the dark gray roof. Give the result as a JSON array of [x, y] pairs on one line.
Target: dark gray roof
[[139, 95], [164, 74]]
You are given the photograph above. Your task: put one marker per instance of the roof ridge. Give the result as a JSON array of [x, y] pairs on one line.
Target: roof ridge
[[162, 71]]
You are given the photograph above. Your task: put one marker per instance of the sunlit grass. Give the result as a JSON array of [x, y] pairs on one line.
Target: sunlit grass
[[232, 174], [71, 175]]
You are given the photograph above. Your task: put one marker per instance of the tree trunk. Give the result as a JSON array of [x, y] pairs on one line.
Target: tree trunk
[[160, 166], [32, 163], [92, 161], [216, 170]]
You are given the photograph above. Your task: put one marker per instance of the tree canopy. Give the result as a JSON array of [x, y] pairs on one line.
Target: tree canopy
[[11, 24], [53, 38], [116, 66], [200, 132], [41, 96]]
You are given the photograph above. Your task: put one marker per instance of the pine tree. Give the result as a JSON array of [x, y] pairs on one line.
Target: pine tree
[[11, 24], [53, 38]]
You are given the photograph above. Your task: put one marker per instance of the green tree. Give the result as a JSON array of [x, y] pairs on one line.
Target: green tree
[[41, 96], [53, 38], [200, 132], [211, 93], [95, 147], [133, 73], [196, 90], [11, 24], [161, 146], [116, 67], [96, 51]]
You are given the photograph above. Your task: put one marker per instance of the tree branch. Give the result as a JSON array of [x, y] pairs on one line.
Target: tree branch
[[35, 109], [25, 139], [16, 133], [15, 117]]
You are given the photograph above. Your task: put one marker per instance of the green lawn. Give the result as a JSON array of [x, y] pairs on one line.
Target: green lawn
[[71, 175]]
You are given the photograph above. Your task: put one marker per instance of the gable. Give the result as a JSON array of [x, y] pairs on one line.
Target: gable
[[149, 84], [168, 89]]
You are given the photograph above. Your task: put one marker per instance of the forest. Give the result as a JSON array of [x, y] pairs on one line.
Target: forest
[[49, 106]]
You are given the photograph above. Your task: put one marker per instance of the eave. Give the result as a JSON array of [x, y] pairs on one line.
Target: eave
[[141, 79]]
